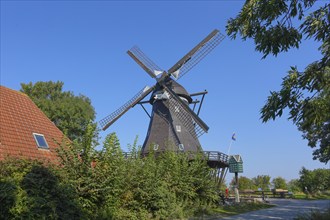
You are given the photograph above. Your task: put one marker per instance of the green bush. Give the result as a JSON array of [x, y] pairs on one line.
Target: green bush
[[169, 185], [32, 190], [7, 198], [90, 184]]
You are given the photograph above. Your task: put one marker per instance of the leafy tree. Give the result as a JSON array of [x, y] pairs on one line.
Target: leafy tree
[[262, 182], [271, 24], [279, 183], [243, 183], [294, 186], [314, 180], [70, 113]]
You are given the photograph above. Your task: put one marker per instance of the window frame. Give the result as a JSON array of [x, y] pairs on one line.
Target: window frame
[[37, 142]]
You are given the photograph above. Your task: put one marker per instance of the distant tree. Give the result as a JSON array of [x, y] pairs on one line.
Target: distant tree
[[262, 182], [70, 113], [314, 180], [243, 183], [294, 186], [272, 26], [279, 183]]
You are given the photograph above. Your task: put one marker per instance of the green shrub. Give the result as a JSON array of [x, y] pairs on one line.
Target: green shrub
[[89, 184], [7, 198], [32, 190]]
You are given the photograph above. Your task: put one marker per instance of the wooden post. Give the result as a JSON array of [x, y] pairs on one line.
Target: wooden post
[[236, 188]]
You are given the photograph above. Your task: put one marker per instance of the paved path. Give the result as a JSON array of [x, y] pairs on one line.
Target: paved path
[[285, 209]]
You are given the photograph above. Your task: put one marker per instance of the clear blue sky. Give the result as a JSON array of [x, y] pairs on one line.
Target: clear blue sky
[[84, 44]]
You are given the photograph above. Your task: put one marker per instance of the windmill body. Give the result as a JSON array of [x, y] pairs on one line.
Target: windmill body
[[166, 131], [173, 125]]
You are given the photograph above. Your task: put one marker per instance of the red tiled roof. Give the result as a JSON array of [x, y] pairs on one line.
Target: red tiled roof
[[19, 119]]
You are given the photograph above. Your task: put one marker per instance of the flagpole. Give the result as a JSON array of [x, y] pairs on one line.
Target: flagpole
[[233, 138], [231, 142]]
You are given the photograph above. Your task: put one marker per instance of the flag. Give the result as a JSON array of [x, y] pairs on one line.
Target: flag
[[233, 137]]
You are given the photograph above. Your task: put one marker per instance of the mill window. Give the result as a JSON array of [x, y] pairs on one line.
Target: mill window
[[156, 146]]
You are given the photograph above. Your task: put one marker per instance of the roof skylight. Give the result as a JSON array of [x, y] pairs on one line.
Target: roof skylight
[[40, 140]]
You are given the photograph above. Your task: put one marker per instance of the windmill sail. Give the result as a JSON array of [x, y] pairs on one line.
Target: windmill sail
[[196, 54], [110, 119], [148, 65], [188, 118]]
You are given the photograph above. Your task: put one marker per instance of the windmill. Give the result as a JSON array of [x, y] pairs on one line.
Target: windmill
[[172, 123]]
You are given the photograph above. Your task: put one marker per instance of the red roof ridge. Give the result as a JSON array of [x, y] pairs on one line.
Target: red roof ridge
[[19, 92]]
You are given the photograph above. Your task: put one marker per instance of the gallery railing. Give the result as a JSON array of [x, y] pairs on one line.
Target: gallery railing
[[211, 156]]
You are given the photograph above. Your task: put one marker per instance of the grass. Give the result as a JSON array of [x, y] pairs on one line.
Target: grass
[[315, 196]]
